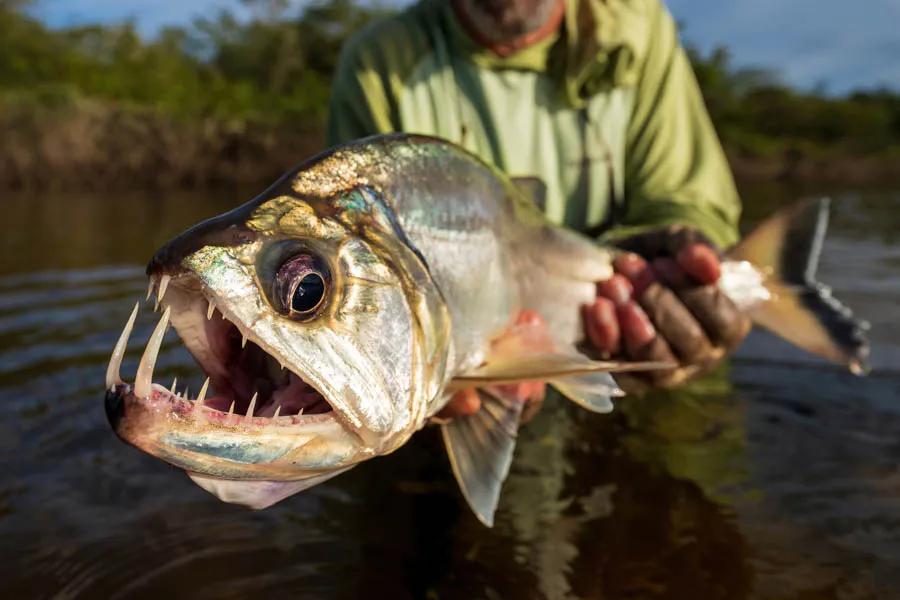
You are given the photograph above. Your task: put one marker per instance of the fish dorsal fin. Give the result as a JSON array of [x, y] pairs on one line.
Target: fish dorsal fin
[[480, 447], [534, 189]]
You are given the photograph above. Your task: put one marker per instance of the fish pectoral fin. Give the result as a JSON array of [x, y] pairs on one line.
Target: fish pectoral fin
[[585, 382], [526, 352], [480, 447], [591, 391]]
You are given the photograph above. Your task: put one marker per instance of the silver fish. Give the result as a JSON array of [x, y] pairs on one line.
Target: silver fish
[[336, 312]]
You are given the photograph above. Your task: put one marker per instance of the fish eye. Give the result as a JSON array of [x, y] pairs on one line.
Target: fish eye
[[308, 293], [301, 285]]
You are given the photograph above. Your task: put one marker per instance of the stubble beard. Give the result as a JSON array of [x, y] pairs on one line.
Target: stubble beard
[[500, 21]]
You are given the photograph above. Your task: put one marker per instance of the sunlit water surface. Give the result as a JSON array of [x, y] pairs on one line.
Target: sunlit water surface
[[777, 477]]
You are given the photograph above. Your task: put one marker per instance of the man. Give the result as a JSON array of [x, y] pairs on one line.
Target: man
[[597, 100]]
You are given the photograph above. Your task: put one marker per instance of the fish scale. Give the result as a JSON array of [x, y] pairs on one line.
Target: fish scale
[[433, 274]]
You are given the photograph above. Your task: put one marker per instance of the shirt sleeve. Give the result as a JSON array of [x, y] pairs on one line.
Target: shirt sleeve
[[675, 168], [359, 106]]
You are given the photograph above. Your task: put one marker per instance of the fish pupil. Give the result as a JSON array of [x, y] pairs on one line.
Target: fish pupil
[[308, 293]]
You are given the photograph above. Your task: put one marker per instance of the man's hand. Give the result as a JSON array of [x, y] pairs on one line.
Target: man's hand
[[466, 402], [531, 393], [663, 304]]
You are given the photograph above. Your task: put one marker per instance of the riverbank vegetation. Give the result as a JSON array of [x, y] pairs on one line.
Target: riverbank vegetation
[[231, 99]]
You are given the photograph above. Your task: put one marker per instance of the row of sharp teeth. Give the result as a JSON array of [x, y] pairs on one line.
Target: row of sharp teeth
[[161, 292], [143, 382]]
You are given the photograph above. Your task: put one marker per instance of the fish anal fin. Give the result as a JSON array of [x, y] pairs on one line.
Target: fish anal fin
[[480, 448]]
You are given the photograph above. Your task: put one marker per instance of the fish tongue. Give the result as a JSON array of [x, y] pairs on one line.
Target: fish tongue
[[290, 398], [220, 403]]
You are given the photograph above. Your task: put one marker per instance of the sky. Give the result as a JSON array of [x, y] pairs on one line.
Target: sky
[[833, 45]]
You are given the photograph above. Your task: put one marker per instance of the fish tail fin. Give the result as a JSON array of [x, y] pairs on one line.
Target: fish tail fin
[[786, 248]]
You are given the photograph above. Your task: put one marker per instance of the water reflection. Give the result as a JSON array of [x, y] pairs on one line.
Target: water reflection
[[774, 477]]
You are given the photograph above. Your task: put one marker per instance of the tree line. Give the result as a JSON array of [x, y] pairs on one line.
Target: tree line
[[274, 68]]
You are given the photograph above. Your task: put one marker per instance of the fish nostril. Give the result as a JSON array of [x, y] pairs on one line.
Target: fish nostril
[[115, 406]]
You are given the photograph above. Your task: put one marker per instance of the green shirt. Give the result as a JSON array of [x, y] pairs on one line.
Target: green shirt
[[606, 113]]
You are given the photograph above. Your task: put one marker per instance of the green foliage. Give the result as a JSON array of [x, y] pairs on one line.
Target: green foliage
[[756, 113], [276, 67]]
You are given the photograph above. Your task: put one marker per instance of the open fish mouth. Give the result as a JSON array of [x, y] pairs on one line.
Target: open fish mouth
[[247, 384]]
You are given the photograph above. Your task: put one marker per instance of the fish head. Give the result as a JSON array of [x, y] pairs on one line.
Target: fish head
[[323, 335]]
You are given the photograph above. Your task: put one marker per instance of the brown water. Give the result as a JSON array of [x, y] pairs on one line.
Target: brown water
[[777, 477]]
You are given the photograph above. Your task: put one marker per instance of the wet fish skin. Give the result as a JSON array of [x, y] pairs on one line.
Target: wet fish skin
[[430, 255]]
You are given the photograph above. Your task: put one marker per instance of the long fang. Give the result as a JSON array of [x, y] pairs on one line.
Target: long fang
[[277, 411], [163, 285], [115, 361], [174, 383], [231, 409], [210, 311], [144, 378]]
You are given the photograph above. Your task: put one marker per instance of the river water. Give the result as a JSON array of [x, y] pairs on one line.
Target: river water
[[775, 477]]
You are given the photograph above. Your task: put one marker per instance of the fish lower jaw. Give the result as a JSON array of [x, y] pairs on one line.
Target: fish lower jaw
[[121, 400]]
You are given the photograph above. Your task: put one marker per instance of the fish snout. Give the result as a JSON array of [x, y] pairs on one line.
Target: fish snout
[[227, 230]]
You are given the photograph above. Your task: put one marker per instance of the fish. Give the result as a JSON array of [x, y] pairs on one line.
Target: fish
[[336, 313]]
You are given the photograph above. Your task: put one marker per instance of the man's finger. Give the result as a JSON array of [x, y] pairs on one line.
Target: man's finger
[[720, 318], [700, 262], [643, 344], [462, 404], [637, 329], [636, 269], [602, 326], [669, 272], [617, 288], [656, 350], [629, 264], [676, 324]]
